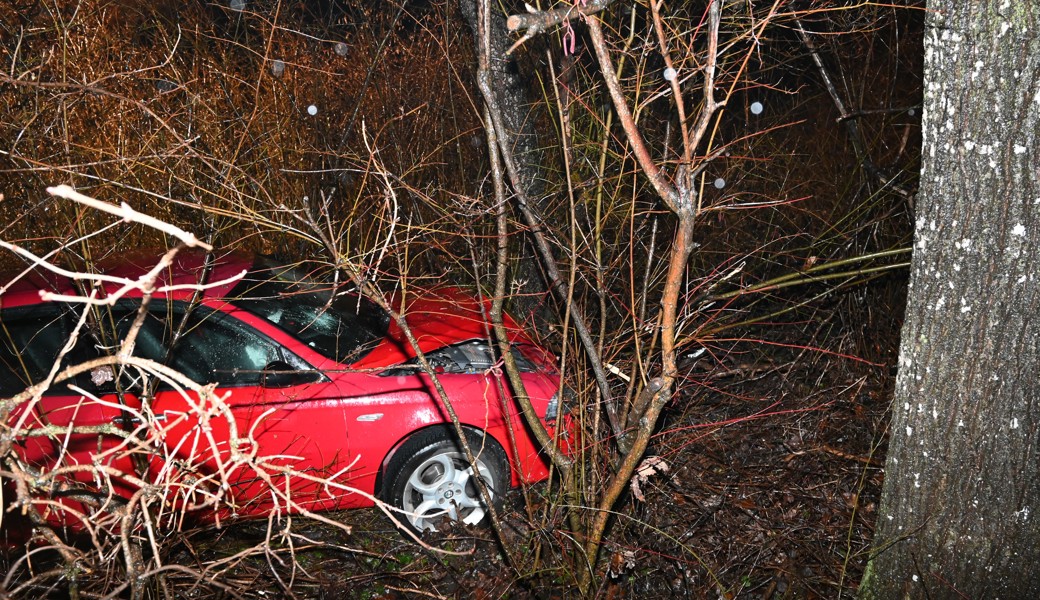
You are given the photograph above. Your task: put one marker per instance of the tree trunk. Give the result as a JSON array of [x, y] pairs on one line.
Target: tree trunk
[[959, 512], [516, 110]]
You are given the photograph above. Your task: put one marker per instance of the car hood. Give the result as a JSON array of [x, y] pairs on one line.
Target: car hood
[[437, 318]]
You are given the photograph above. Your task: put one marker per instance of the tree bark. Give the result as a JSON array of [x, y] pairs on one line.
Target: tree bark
[[515, 108], [512, 97], [958, 514]]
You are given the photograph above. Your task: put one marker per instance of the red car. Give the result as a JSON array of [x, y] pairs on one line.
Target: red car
[[319, 402]]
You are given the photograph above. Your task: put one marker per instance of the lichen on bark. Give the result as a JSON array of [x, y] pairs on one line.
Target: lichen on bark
[[962, 477]]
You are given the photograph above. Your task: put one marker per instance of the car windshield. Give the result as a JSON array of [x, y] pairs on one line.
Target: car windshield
[[345, 329]]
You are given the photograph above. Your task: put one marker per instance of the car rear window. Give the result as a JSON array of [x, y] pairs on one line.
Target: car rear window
[[344, 328]]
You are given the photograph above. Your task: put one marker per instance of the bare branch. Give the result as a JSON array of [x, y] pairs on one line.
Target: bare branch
[[129, 215], [658, 179]]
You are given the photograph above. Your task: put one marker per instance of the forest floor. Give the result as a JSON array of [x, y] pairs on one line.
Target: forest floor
[[775, 474]]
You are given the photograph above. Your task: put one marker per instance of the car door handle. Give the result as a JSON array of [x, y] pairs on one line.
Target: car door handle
[[129, 421]]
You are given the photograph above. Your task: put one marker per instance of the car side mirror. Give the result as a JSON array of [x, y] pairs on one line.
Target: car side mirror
[[279, 374]]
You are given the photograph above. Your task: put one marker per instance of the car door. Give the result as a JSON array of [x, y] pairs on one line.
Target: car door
[[31, 340], [76, 436], [258, 431]]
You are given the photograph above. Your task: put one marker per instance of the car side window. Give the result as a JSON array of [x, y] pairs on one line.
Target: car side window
[[213, 348], [217, 348], [30, 341]]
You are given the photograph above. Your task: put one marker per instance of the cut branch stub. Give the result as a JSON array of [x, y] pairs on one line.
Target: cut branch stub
[[535, 21]]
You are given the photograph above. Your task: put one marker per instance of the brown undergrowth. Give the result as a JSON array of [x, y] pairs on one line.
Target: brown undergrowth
[[202, 114]]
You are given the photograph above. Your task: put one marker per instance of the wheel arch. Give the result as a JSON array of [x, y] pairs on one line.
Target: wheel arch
[[449, 430]]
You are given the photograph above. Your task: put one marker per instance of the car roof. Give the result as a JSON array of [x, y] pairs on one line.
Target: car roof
[[438, 316], [24, 287]]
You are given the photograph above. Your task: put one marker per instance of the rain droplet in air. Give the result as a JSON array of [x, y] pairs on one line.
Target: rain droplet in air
[[340, 48], [277, 68], [312, 110], [757, 108], [238, 5], [669, 74], [720, 183]]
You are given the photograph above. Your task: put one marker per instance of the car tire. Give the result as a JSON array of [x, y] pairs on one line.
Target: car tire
[[429, 479]]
